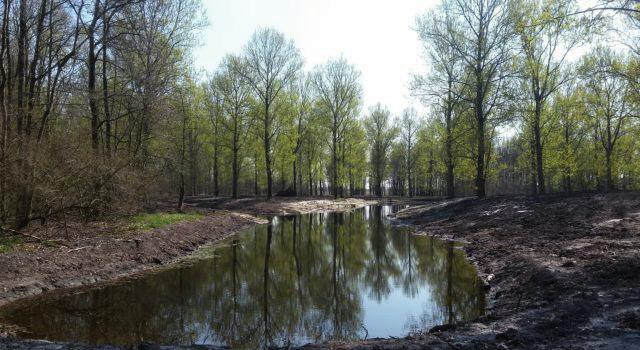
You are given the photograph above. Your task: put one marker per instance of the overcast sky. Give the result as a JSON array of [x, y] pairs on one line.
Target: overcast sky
[[374, 35]]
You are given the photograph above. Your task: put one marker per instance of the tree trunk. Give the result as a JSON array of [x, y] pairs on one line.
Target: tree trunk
[[448, 148], [234, 162], [283, 181], [193, 168], [608, 185], [532, 160], [267, 152], [310, 179], [480, 118], [91, 81], [105, 87], [234, 175], [216, 170], [343, 166], [256, 190], [430, 190], [538, 148], [216, 146], [567, 176], [182, 161], [480, 179], [299, 186], [4, 118], [295, 177], [334, 159], [23, 202], [409, 179]]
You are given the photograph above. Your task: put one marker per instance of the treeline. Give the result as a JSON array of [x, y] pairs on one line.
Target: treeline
[[85, 94], [522, 97], [101, 110], [547, 72]]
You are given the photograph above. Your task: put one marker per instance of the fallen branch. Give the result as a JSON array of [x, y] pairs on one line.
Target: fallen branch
[[36, 238], [40, 240], [76, 249], [85, 247]]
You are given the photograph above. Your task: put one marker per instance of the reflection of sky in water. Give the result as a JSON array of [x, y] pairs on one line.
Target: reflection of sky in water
[[392, 316], [328, 276]]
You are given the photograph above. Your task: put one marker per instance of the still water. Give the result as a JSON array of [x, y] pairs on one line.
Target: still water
[[304, 278]]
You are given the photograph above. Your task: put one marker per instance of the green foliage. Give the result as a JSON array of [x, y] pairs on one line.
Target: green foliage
[[8, 243]]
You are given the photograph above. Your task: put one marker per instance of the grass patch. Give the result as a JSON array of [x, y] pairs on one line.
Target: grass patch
[[50, 244], [7, 244], [150, 221]]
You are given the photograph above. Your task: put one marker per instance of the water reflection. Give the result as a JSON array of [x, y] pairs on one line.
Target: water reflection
[[305, 278]]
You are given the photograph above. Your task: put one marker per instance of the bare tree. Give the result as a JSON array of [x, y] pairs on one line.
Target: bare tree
[[409, 125], [443, 86], [380, 135], [339, 93], [41, 61], [271, 62], [607, 103], [544, 49], [184, 125], [214, 109], [149, 42], [481, 34], [235, 95], [303, 104]]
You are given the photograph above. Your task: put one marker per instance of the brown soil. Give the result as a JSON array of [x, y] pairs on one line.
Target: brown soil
[[78, 254], [99, 253], [562, 272]]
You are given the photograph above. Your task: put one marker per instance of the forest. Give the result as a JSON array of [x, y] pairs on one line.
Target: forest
[[267, 201], [102, 110]]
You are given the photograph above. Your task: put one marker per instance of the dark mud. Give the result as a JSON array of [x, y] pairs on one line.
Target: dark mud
[[563, 272]]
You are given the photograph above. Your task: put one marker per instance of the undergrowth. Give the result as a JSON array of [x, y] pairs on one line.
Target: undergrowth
[[151, 221]]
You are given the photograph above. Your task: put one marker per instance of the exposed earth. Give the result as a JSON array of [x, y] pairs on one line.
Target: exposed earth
[[561, 271], [76, 254]]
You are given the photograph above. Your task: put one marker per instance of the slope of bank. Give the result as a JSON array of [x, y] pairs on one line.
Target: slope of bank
[[563, 272], [83, 254]]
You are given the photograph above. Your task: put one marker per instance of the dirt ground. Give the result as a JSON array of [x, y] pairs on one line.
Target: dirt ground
[[561, 272], [84, 254]]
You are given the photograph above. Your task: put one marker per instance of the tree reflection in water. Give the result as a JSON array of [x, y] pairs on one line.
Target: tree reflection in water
[[305, 278]]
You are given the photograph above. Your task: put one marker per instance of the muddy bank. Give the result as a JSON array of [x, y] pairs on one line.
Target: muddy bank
[[96, 254], [562, 272], [84, 254]]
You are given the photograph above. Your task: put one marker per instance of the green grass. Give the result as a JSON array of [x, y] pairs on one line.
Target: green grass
[[48, 243], [151, 221], [7, 244]]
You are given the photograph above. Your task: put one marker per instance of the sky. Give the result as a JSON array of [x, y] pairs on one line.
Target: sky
[[374, 35]]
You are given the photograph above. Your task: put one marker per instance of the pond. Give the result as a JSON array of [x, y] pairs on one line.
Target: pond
[[304, 278]]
